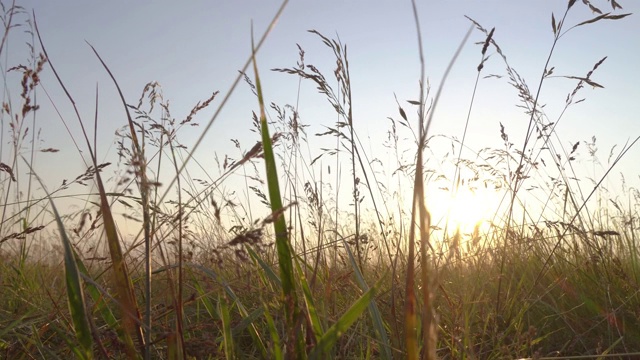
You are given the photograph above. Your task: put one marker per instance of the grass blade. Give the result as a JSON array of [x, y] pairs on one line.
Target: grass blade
[[75, 295], [253, 330], [277, 353], [293, 343], [225, 317], [267, 269], [123, 285], [138, 158], [329, 339], [314, 319], [376, 316]]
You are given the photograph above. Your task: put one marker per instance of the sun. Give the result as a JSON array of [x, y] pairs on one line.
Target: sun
[[464, 210]]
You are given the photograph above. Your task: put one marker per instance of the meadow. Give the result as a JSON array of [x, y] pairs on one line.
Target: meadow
[[342, 265]]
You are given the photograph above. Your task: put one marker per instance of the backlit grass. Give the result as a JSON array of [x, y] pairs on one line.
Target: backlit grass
[[341, 264]]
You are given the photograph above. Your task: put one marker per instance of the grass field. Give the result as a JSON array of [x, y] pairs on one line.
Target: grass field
[[358, 273]]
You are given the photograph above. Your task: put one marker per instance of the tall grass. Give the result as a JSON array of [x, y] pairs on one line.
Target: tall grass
[[314, 278]]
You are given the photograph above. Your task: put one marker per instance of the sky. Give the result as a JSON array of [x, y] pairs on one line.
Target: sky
[[193, 48]]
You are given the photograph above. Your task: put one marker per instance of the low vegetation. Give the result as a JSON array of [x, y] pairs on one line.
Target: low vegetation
[[325, 273]]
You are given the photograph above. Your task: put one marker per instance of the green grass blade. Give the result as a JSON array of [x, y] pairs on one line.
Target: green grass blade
[[374, 312], [14, 324], [273, 332], [225, 317], [244, 323], [294, 342], [329, 339], [253, 330], [316, 324], [122, 275], [247, 320], [75, 295], [273, 277], [45, 351], [124, 286], [95, 294], [123, 281]]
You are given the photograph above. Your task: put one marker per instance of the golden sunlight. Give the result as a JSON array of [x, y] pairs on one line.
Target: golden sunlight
[[463, 210]]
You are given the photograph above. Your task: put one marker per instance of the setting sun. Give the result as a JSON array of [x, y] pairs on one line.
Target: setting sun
[[463, 210]]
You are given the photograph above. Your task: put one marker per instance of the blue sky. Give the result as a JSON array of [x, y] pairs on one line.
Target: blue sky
[[193, 48]]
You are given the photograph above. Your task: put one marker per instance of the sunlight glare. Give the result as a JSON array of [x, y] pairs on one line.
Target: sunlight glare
[[464, 210]]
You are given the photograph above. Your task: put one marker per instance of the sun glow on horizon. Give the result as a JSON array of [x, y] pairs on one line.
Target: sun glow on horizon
[[468, 208]]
